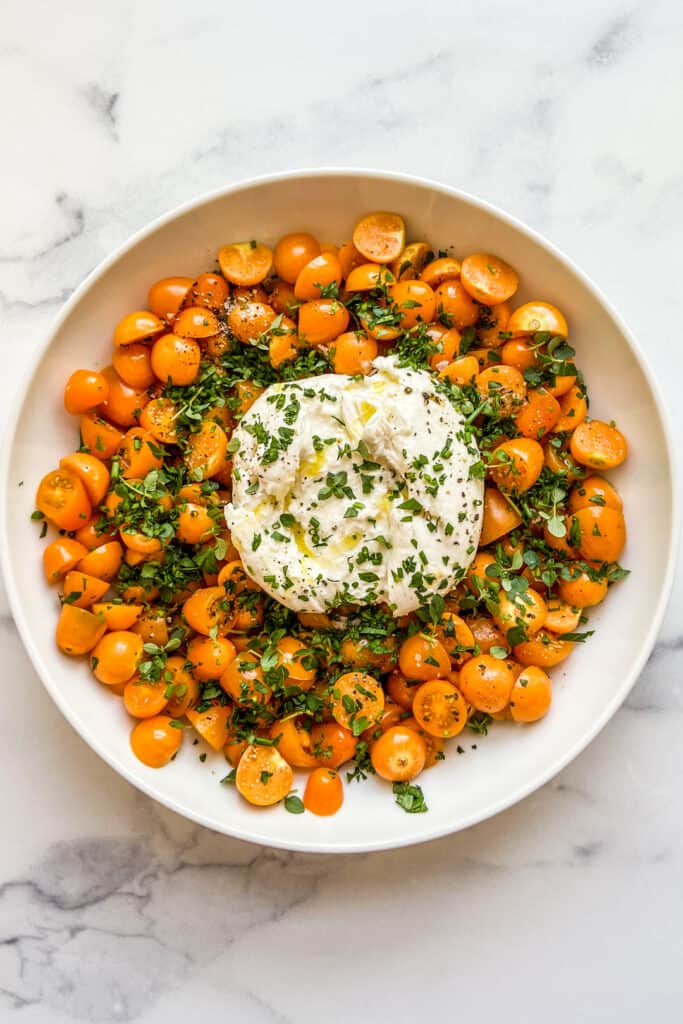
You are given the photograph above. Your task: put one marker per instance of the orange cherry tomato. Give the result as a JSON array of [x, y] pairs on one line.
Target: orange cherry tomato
[[158, 418], [167, 295], [332, 744], [537, 316], [380, 237], [603, 532], [294, 742], [117, 656], [140, 543], [399, 754], [282, 298], [411, 261], [99, 436], [63, 499], [358, 701], [292, 253], [211, 291], [298, 662], [561, 617], [353, 353], [491, 324], [196, 322], [322, 320], [85, 389], [349, 258], [284, 345], [103, 562], [594, 490], [263, 776], [460, 371], [559, 460], [194, 524], [531, 695], [139, 454], [539, 414], [78, 630], [598, 445], [455, 636], [517, 464], [95, 532], [210, 656], [573, 409], [152, 626], [320, 272], [144, 700], [527, 610], [244, 681], [520, 353], [324, 793], [448, 346], [440, 709], [134, 365], [415, 301], [123, 404], [137, 326], [212, 724], [92, 471], [503, 386], [60, 557], [456, 303], [401, 690], [118, 616], [247, 321], [545, 650], [580, 590], [209, 609], [182, 685], [478, 579], [488, 279], [368, 276], [423, 657], [445, 268], [499, 517], [486, 683], [154, 741], [359, 654], [245, 263], [176, 360], [207, 450], [486, 634]]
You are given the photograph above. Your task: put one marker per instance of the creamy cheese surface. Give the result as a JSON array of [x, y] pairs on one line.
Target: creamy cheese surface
[[350, 490]]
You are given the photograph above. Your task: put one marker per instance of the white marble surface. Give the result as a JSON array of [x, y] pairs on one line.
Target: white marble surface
[[568, 906]]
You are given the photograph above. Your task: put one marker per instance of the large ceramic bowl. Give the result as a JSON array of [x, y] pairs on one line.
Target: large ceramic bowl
[[511, 762]]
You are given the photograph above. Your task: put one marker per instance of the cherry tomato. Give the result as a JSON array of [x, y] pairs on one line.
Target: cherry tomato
[[245, 263], [154, 741], [499, 517], [415, 302], [263, 776], [166, 296], [78, 630], [210, 656], [60, 557], [134, 365], [488, 279], [137, 326], [324, 793], [445, 268], [322, 320], [537, 316], [423, 657], [598, 445], [399, 754], [176, 360], [358, 701], [332, 744], [440, 709], [517, 464], [320, 272], [117, 656], [380, 237], [531, 695], [85, 389], [63, 499], [486, 683]]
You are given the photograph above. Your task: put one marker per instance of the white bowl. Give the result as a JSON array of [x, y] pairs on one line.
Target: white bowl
[[512, 761]]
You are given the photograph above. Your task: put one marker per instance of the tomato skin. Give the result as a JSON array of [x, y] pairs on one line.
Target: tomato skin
[[210, 656], [537, 316], [60, 557], [321, 271], [154, 741], [322, 320], [445, 268], [123, 404], [244, 681], [486, 682], [517, 464], [324, 793], [457, 304], [594, 491], [539, 414], [176, 360], [212, 724], [293, 655], [103, 561], [210, 290], [85, 389], [207, 450], [332, 744], [581, 591], [137, 326], [166, 296], [531, 695], [118, 616], [63, 499], [488, 279], [144, 700], [92, 471], [399, 754], [139, 454], [603, 533], [134, 366], [78, 630], [416, 302], [294, 742], [423, 657], [499, 517], [100, 437]]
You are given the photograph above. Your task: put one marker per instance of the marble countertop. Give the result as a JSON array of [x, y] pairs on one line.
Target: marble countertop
[[566, 907]]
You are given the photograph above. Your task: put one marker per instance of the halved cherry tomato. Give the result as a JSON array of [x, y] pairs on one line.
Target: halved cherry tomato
[[210, 290], [103, 562], [380, 237], [332, 744], [455, 637], [85, 389], [415, 302], [60, 557], [503, 386], [479, 581], [456, 303], [294, 742], [594, 490], [516, 464], [208, 609], [399, 754], [545, 650], [460, 371], [63, 499], [324, 792], [358, 701], [137, 326], [499, 517], [210, 656], [531, 695], [196, 322], [247, 321], [134, 365], [573, 409], [411, 261], [401, 690], [539, 414], [562, 617], [560, 460], [117, 656], [527, 610], [488, 279], [212, 724], [140, 543], [486, 683], [194, 524], [537, 316], [322, 320], [368, 276], [176, 360], [118, 616], [491, 324], [598, 445], [139, 454], [207, 450], [292, 253], [152, 626], [486, 634], [447, 342], [92, 471], [440, 709], [298, 661], [78, 630], [166, 296], [445, 268], [353, 353], [282, 298], [603, 532], [181, 685], [284, 344], [244, 681], [144, 700], [520, 353], [360, 654], [123, 404], [320, 272], [263, 776], [245, 263], [99, 436], [154, 741], [423, 657], [158, 418], [349, 257]]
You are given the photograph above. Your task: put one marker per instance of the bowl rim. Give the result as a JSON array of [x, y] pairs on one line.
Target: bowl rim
[[67, 708]]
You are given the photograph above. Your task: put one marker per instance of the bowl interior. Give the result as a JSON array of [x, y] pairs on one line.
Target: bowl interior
[[510, 761]]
